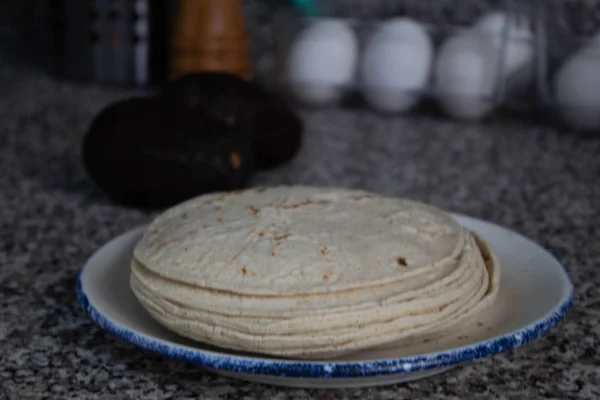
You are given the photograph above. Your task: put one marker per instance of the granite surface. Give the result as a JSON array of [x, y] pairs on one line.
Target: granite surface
[[534, 180]]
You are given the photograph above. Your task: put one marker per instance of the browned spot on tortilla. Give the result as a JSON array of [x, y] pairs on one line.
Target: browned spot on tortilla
[[184, 216], [401, 261], [323, 249], [325, 277], [205, 226], [306, 203], [273, 254], [244, 271], [254, 210], [220, 220], [261, 234], [287, 235], [302, 272], [234, 258], [200, 259]]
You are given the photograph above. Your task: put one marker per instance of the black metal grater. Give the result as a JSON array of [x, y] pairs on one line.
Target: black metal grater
[[121, 42]]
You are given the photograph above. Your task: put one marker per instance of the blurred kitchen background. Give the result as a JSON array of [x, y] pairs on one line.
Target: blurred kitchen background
[[470, 61], [60, 35], [129, 43]]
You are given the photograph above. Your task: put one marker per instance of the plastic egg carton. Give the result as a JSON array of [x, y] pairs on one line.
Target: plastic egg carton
[[466, 58], [570, 65]]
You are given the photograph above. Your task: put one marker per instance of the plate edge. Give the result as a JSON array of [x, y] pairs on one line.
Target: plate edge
[[329, 369]]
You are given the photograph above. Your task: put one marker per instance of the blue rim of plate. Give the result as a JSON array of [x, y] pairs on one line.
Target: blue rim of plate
[[326, 369]]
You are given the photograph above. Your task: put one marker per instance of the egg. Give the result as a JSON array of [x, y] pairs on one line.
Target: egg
[[395, 66], [465, 75], [512, 37], [577, 89], [322, 61]]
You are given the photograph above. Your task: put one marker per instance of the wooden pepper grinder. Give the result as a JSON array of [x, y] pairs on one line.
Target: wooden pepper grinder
[[210, 35]]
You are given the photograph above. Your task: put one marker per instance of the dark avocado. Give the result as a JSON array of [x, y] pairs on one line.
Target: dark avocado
[[143, 155], [262, 117]]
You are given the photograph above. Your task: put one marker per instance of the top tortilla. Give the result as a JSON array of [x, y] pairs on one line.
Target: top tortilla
[[297, 240]]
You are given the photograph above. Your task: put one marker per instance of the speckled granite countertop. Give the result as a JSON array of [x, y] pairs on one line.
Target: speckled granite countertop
[[530, 179]]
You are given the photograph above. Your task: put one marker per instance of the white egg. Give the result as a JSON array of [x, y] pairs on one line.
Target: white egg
[[512, 36], [322, 61], [395, 65], [577, 90], [465, 75]]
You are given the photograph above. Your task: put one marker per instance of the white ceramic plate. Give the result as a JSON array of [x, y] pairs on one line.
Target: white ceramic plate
[[535, 294]]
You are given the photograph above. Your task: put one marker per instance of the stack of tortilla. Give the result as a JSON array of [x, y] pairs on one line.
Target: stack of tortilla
[[310, 272]]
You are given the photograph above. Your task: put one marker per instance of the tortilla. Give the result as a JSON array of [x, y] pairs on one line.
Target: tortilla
[[297, 241], [230, 303], [310, 272], [331, 344]]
